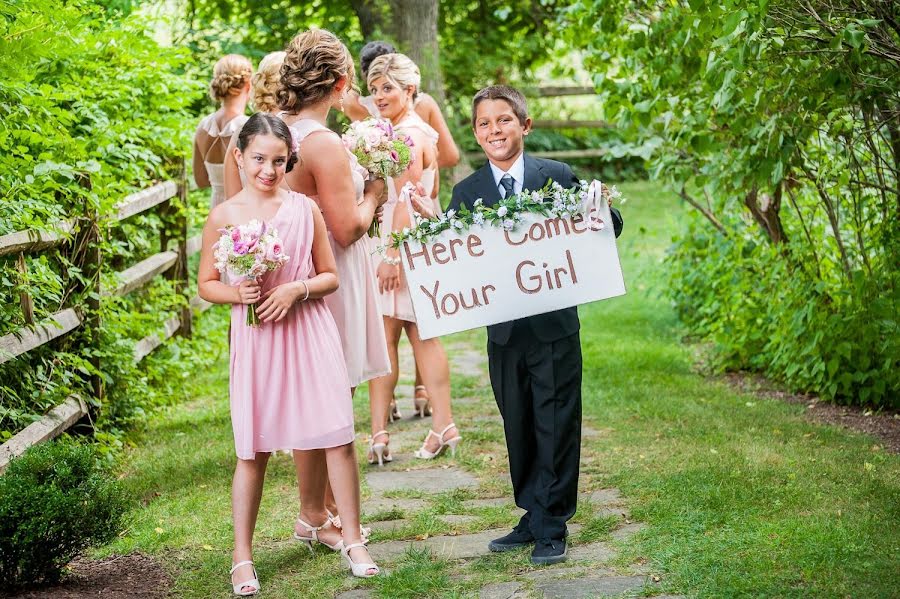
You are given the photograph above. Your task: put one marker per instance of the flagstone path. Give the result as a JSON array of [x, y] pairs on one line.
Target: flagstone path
[[400, 491]]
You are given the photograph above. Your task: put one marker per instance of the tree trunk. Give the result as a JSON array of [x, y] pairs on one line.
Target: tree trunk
[[416, 30], [370, 18]]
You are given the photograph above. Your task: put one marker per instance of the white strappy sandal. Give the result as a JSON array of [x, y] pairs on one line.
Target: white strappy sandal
[[253, 582], [361, 570], [421, 401], [376, 450], [314, 535], [424, 454]]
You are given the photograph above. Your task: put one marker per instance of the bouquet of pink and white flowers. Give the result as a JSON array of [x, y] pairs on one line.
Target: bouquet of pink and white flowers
[[379, 149], [248, 252]]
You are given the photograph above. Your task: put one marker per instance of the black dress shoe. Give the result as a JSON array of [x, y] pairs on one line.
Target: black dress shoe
[[549, 551], [517, 538]]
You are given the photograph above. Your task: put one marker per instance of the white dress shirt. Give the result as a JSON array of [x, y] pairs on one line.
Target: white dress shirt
[[516, 171]]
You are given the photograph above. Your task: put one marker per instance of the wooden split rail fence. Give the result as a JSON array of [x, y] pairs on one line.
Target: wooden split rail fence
[[83, 232]]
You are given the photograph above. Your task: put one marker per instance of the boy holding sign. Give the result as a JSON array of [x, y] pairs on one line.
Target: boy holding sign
[[534, 362]]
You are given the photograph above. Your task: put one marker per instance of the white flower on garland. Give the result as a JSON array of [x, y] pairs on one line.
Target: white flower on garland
[[502, 211], [478, 218]]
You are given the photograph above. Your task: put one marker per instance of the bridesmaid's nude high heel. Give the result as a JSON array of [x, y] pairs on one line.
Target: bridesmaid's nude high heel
[[377, 450], [314, 535], [421, 401], [361, 570], [394, 415], [253, 583], [424, 454]]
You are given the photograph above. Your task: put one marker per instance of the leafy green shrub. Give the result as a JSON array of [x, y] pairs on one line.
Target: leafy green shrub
[[778, 124], [91, 109], [769, 315], [54, 502]]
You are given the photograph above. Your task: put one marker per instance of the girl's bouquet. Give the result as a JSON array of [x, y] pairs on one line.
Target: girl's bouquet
[[248, 252], [379, 149]]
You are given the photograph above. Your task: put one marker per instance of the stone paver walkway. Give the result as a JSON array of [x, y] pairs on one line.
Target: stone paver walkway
[[456, 501]]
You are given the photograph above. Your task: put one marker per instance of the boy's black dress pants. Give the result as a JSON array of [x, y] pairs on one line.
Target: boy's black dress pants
[[537, 386]]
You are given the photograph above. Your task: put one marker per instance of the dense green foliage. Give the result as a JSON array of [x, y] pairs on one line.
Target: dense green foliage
[[54, 502], [91, 109], [779, 122]]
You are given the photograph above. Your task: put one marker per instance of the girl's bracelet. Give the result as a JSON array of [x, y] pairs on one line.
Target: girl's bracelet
[[306, 287], [391, 261]]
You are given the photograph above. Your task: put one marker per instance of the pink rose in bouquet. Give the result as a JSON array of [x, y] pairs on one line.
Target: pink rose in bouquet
[[248, 252]]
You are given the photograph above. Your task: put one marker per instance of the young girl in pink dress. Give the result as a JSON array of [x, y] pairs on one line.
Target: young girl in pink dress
[[289, 387]]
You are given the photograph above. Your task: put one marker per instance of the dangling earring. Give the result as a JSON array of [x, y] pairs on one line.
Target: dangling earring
[[341, 103]]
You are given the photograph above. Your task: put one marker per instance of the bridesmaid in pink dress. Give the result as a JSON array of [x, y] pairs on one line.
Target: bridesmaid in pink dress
[[289, 387], [393, 80], [315, 77]]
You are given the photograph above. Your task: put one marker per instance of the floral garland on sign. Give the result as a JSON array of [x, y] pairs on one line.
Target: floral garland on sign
[[552, 200]]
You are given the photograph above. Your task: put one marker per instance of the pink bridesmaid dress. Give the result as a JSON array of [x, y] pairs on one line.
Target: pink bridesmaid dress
[[397, 303], [289, 386], [355, 304]]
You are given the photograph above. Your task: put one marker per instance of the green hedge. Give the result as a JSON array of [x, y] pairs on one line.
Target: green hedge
[[763, 313], [54, 502], [91, 109]]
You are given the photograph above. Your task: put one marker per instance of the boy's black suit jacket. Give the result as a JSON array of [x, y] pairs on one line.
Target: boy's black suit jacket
[[550, 326]]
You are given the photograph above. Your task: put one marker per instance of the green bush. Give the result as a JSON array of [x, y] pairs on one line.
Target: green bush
[[776, 316], [91, 109], [54, 502]]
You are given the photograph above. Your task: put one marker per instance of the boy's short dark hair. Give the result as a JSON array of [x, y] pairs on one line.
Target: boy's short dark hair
[[370, 52], [511, 95]]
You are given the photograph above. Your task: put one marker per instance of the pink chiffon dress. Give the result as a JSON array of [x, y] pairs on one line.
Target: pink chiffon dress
[[289, 387], [397, 303], [355, 304]]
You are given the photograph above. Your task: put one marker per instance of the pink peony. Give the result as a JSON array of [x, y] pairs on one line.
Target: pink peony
[[273, 252]]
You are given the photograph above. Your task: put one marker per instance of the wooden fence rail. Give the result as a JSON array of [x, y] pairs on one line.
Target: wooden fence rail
[[70, 318]]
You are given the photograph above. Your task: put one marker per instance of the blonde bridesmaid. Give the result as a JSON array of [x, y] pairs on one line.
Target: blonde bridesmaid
[[230, 87]]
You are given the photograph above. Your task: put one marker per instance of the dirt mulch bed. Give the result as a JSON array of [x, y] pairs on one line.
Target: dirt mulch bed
[[883, 424], [116, 577]]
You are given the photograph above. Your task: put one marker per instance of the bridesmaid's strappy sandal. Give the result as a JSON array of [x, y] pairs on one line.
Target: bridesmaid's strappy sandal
[[253, 583], [314, 535], [424, 454], [361, 570], [377, 451], [421, 401], [394, 415]]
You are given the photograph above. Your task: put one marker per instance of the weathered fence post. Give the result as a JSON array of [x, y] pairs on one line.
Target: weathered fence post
[[181, 267]]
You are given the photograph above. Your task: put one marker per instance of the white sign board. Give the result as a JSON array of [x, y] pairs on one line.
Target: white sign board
[[486, 275]]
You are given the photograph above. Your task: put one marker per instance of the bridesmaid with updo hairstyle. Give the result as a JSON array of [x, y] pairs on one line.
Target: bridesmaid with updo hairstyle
[[229, 87], [315, 77], [263, 86]]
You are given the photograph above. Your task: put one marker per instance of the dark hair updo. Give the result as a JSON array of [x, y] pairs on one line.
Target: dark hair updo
[[262, 123], [370, 52]]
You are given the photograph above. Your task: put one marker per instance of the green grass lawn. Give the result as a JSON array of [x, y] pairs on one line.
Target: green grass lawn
[[743, 496]]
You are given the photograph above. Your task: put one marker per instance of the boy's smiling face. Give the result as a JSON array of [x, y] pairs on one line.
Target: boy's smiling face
[[499, 132]]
